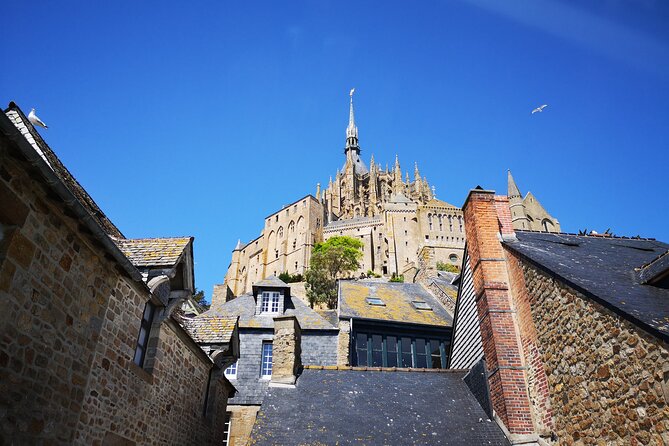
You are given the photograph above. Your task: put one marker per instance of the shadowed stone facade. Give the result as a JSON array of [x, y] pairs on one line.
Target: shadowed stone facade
[[71, 306]]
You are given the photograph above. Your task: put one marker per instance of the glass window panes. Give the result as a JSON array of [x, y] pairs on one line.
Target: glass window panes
[[231, 371], [144, 331], [435, 353], [377, 351], [391, 349], [421, 355], [375, 301], [407, 356], [264, 305], [266, 363], [361, 348], [275, 302], [421, 305]]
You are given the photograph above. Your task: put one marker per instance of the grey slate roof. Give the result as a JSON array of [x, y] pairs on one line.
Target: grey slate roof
[[604, 269], [210, 329], [271, 282], [374, 408], [164, 251], [397, 298], [244, 307]]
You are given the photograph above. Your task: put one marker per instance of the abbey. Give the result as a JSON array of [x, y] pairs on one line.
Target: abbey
[[399, 219]]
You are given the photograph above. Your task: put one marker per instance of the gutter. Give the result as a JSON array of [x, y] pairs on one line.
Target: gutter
[[36, 161]]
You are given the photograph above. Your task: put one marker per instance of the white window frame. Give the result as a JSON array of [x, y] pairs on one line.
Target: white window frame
[[266, 360], [231, 371], [270, 302]]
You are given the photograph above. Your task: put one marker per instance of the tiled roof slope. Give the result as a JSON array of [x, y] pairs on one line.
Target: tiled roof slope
[[397, 298], [374, 408], [153, 251], [244, 307], [19, 119], [210, 329], [604, 269], [271, 281]]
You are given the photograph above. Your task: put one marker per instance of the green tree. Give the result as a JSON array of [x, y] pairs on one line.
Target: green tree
[[198, 296], [441, 266], [331, 260]]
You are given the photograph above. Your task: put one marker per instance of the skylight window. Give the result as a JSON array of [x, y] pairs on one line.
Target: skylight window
[[375, 301], [421, 305]]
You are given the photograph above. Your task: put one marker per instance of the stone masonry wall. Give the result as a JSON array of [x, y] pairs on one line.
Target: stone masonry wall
[[605, 376], [69, 319]]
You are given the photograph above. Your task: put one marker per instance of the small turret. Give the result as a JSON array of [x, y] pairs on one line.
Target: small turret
[[519, 218]]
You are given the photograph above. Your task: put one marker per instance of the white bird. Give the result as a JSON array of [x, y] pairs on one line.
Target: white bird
[[32, 117], [539, 109]]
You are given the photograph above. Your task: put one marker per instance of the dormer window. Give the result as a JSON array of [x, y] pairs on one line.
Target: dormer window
[[270, 302]]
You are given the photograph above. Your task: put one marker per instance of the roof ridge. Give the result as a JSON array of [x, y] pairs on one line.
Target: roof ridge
[[655, 259], [381, 369], [620, 237]]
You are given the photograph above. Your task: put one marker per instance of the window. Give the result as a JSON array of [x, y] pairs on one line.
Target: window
[[429, 220], [453, 258], [381, 350], [266, 363], [280, 232], [270, 302], [231, 371], [291, 227], [450, 223], [441, 228], [144, 331], [375, 301], [226, 428], [420, 305], [460, 223]]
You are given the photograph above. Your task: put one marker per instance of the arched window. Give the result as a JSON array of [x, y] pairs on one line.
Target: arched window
[[450, 223], [291, 227], [441, 223], [280, 232], [429, 221], [460, 222]]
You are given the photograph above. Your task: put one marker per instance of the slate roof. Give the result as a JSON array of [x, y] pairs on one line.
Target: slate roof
[[144, 252], [374, 408], [20, 121], [397, 298], [210, 329], [353, 221], [605, 269], [271, 282], [244, 307]]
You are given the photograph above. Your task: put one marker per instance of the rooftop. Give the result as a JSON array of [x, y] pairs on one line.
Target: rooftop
[[396, 303], [145, 252], [350, 406], [210, 329], [606, 269]]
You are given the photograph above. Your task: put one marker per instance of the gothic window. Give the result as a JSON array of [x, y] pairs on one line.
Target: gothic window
[[291, 227], [429, 220], [441, 227], [450, 223], [460, 222], [280, 232]]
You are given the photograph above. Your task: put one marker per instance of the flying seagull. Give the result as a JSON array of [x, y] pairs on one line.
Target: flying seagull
[[32, 117], [539, 109]]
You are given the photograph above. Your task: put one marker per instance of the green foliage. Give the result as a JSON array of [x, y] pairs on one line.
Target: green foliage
[[291, 278], [441, 266], [371, 273], [198, 296], [335, 258], [396, 278]]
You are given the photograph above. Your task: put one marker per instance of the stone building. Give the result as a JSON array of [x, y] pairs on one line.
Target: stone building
[[252, 374], [527, 213], [396, 217], [573, 329], [90, 352], [391, 325]]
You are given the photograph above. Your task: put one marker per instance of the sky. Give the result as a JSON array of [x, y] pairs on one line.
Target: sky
[[202, 118]]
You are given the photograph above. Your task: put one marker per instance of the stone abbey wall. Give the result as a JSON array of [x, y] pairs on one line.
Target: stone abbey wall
[[69, 319], [607, 379]]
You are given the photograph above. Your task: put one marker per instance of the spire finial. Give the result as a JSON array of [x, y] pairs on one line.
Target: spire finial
[[351, 130], [434, 192]]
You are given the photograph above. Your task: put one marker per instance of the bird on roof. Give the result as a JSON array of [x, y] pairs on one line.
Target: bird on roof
[[32, 117], [539, 109]]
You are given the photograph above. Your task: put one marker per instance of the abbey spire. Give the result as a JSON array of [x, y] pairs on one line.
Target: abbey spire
[[351, 130]]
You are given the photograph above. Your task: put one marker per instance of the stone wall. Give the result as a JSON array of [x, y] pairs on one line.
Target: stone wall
[[344, 343], [607, 378], [241, 423], [69, 319]]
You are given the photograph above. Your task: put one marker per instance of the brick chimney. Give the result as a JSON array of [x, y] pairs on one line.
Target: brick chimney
[[487, 219], [286, 351]]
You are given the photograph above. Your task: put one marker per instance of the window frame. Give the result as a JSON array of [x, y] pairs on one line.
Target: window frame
[[266, 358], [142, 345], [231, 371]]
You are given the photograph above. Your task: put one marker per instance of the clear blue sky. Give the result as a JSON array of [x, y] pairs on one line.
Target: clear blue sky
[[201, 118]]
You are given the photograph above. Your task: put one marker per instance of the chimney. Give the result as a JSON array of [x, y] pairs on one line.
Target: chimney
[[487, 219], [286, 351]]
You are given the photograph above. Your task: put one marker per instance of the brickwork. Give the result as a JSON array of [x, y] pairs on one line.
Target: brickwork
[[501, 346], [607, 379], [69, 319]]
